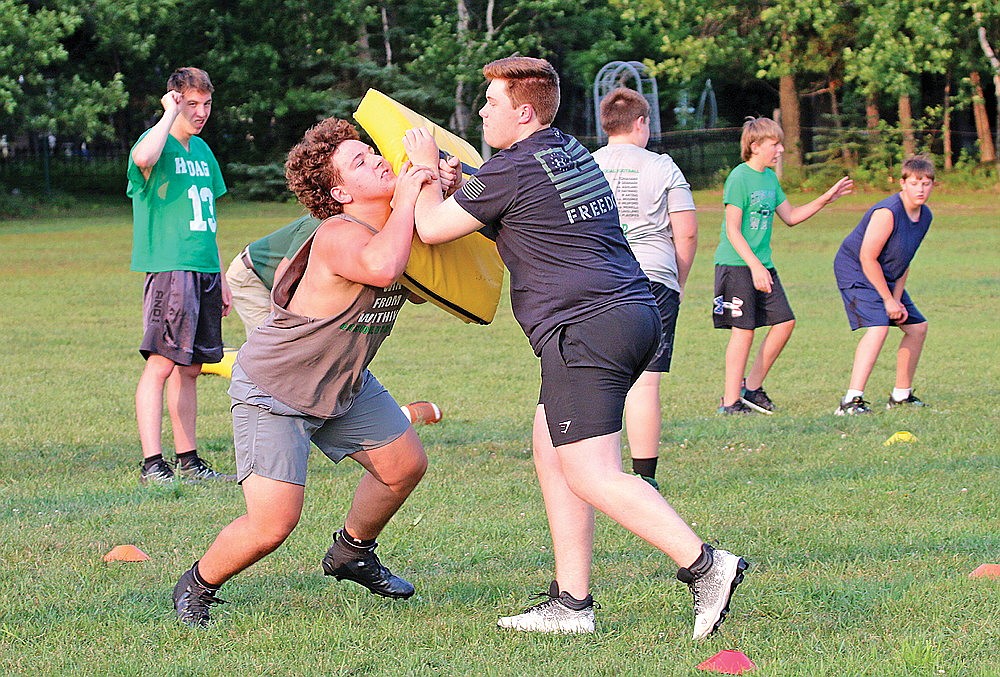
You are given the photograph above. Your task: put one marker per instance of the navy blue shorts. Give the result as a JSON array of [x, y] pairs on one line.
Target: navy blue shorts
[[182, 316], [739, 304], [589, 366], [865, 308], [669, 302]]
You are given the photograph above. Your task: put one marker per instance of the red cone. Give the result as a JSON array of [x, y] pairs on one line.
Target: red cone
[[728, 662], [986, 571]]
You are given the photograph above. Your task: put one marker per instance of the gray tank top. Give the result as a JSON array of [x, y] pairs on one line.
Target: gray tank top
[[317, 365]]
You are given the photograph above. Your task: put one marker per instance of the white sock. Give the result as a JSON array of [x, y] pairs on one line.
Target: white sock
[[851, 394], [900, 394]]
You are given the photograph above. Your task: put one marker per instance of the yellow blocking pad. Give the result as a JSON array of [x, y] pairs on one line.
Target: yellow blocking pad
[[463, 277], [222, 368]]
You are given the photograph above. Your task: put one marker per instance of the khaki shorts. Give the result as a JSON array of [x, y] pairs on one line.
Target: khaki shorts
[[273, 440]]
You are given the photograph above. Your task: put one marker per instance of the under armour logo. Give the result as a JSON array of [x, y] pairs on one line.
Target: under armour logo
[[564, 426], [736, 306]]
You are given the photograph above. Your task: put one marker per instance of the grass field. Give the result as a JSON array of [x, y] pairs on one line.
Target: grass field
[[860, 552]]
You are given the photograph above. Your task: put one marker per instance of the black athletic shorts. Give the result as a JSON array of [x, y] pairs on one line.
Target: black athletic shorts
[[669, 302], [589, 366], [182, 316], [738, 304]]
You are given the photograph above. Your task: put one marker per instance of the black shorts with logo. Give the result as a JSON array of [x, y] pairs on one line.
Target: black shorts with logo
[[589, 366], [738, 304], [182, 316]]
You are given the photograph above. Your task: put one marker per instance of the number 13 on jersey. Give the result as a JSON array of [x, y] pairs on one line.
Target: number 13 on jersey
[[197, 197]]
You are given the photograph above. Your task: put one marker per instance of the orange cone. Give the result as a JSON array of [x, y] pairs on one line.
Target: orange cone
[[728, 662], [986, 571], [125, 553]]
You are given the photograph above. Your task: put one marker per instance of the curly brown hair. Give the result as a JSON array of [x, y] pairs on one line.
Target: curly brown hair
[[310, 171]]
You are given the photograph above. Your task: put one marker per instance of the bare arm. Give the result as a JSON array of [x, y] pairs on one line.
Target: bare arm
[[878, 232], [796, 215], [437, 220], [734, 231], [147, 152], [685, 228], [383, 258], [227, 294]]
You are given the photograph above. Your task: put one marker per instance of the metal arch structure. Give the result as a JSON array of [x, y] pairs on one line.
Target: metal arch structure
[[631, 74], [708, 111]]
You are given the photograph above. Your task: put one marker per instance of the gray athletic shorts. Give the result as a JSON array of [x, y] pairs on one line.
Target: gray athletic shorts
[[182, 316], [272, 439]]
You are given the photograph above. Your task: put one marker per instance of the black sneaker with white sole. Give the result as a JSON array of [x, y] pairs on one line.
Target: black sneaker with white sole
[[911, 401], [736, 407], [199, 469], [757, 400], [853, 407], [161, 472]]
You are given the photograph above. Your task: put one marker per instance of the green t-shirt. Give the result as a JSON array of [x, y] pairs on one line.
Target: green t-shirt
[[267, 252], [173, 212], [758, 194]]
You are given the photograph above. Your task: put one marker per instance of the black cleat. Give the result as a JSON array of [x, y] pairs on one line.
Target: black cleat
[[365, 569], [191, 601]]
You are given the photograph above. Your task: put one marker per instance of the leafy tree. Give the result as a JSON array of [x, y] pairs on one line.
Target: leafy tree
[[899, 42], [38, 92]]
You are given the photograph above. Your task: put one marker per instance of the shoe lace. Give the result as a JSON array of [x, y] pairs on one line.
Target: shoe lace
[[161, 467], [200, 468], [199, 600], [859, 403], [552, 599]]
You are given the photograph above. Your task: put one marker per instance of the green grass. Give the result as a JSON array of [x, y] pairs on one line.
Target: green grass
[[860, 552]]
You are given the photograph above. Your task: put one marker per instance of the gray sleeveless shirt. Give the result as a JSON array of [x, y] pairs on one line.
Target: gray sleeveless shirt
[[316, 365]]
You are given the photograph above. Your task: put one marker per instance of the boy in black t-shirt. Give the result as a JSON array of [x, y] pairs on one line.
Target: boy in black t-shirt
[[582, 300]]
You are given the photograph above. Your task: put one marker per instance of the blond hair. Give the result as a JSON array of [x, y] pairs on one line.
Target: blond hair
[[756, 130]]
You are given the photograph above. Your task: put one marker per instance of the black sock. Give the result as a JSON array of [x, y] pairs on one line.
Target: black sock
[[645, 466], [196, 573], [355, 543], [186, 458], [148, 463]]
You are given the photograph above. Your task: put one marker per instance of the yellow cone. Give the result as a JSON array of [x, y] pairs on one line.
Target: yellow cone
[[901, 436]]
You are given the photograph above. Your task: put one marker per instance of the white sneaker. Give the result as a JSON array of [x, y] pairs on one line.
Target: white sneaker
[[552, 616], [713, 590]]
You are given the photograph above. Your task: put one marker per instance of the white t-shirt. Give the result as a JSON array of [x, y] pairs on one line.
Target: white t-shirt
[[647, 188]]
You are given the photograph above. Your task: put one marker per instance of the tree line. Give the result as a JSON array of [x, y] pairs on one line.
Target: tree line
[[865, 72]]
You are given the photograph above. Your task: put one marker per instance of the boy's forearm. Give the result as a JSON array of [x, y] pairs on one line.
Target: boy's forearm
[[685, 228], [873, 271], [147, 152]]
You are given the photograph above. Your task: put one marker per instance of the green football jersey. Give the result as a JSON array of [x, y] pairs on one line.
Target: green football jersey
[[173, 212]]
